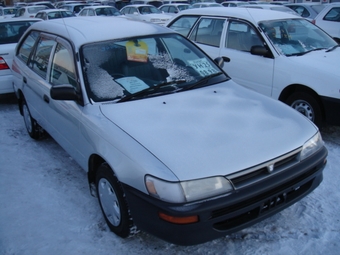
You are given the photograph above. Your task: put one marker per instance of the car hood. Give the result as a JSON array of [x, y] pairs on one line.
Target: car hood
[[214, 130], [320, 61]]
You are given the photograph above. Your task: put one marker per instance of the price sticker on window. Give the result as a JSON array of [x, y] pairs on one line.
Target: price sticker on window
[[202, 66]]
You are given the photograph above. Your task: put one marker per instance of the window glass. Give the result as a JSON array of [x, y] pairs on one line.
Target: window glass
[[241, 36], [63, 70], [333, 15], [10, 32], [295, 36], [26, 47], [208, 31], [153, 65], [41, 57], [184, 24]]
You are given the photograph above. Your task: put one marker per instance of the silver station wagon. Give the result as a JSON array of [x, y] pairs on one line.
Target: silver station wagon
[[172, 146]]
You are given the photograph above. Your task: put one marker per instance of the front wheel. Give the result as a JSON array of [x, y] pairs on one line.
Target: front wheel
[[112, 202], [307, 105]]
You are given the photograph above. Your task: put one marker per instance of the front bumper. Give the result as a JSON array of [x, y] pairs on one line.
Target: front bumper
[[332, 110], [228, 214]]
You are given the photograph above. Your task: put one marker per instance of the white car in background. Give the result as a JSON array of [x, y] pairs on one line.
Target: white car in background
[[173, 9], [53, 14], [275, 53], [145, 12], [273, 7], [10, 32], [329, 20], [100, 10], [29, 11], [7, 12]]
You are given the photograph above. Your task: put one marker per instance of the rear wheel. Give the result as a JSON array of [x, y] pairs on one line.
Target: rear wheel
[[112, 202], [32, 127], [306, 104]]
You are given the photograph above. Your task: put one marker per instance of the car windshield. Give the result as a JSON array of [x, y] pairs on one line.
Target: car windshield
[[108, 11], [10, 11], [148, 9], [296, 36], [35, 9], [146, 66], [10, 32]]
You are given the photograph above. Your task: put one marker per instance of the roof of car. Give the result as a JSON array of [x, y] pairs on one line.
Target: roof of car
[[138, 5], [256, 15], [81, 30], [54, 10], [19, 19]]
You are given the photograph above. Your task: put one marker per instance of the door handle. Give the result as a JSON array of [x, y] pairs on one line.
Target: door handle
[[24, 79], [226, 59], [46, 99]]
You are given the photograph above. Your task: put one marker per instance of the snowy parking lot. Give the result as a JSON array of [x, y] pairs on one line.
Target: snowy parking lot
[[46, 207]]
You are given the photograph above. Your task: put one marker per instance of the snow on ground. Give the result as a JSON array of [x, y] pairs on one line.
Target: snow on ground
[[46, 207]]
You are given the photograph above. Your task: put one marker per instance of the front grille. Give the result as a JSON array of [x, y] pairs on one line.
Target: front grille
[[263, 203], [258, 173]]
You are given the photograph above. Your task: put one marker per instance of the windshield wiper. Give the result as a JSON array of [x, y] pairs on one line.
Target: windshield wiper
[[332, 48], [150, 90], [303, 53], [202, 81]]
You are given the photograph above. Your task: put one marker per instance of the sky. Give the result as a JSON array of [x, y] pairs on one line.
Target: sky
[[46, 207]]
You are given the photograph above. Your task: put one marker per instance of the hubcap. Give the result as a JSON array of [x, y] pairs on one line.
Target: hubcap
[[109, 202], [27, 118], [304, 108]]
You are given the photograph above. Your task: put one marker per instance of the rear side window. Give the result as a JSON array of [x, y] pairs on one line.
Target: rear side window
[[27, 45], [333, 15], [41, 57], [184, 24], [208, 31]]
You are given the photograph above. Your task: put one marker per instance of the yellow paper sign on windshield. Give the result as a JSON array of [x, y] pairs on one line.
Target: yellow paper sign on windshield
[[137, 51]]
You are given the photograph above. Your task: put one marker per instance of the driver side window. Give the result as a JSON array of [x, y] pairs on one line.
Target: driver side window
[[241, 36]]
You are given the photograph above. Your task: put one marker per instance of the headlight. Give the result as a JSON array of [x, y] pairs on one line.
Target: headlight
[[311, 146], [187, 191]]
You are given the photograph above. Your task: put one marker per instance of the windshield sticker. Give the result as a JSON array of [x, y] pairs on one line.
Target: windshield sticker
[[202, 66], [137, 51], [132, 84]]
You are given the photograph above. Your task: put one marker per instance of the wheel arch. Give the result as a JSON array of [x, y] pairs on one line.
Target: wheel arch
[[94, 162], [20, 97], [289, 90]]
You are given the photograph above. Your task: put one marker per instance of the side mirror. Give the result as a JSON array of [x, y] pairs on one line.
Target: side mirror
[[64, 92], [259, 50], [219, 61]]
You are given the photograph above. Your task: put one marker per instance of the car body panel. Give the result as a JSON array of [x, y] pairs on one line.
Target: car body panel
[[193, 133]]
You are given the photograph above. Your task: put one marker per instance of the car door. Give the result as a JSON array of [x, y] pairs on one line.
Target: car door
[[252, 71], [64, 116], [34, 74]]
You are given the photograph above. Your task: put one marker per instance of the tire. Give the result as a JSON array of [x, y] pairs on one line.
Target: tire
[[32, 127], [307, 105], [113, 203]]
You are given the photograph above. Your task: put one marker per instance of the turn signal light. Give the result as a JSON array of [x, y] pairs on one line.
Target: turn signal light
[[179, 220]]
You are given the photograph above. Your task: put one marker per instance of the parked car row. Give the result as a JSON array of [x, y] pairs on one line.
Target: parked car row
[[171, 145]]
